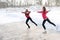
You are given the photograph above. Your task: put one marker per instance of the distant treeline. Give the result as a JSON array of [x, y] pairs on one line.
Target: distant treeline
[[20, 3]]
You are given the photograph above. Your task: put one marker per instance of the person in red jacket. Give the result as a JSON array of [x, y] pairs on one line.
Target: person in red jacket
[[28, 18], [44, 13]]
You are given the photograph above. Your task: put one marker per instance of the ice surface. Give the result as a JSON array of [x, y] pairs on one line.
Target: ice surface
[[9, 15]]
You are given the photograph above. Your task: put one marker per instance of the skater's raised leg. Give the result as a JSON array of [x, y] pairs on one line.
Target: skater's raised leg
[[27, 22], [50, 22], [33, 21]]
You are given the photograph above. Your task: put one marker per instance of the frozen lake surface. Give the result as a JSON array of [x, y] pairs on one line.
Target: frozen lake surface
[[13, 27]]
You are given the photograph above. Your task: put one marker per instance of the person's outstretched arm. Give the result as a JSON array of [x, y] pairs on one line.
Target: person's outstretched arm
[[23, 12], [39, 11]]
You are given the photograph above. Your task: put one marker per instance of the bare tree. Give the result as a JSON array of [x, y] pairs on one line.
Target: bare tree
[[13, 3], [40, 2], [58, 2], [20, 3]]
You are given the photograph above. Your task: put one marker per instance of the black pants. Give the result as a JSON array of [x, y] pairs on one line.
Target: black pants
[[48, 21], [31, 21]]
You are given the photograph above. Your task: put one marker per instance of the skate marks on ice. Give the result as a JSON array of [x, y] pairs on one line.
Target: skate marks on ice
[[33, 34], [18, 31]]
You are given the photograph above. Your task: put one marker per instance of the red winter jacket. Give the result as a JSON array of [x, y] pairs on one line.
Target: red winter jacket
[[27, 14], [43, 14]]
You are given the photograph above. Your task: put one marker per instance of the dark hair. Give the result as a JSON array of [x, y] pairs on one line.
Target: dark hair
[[26, 9], [44, 9]]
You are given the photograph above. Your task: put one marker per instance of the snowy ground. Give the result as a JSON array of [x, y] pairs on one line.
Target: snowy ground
[[10, 30]]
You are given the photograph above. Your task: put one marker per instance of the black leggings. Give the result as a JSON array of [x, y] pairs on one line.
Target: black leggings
[[31, 21], [48, 21]]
